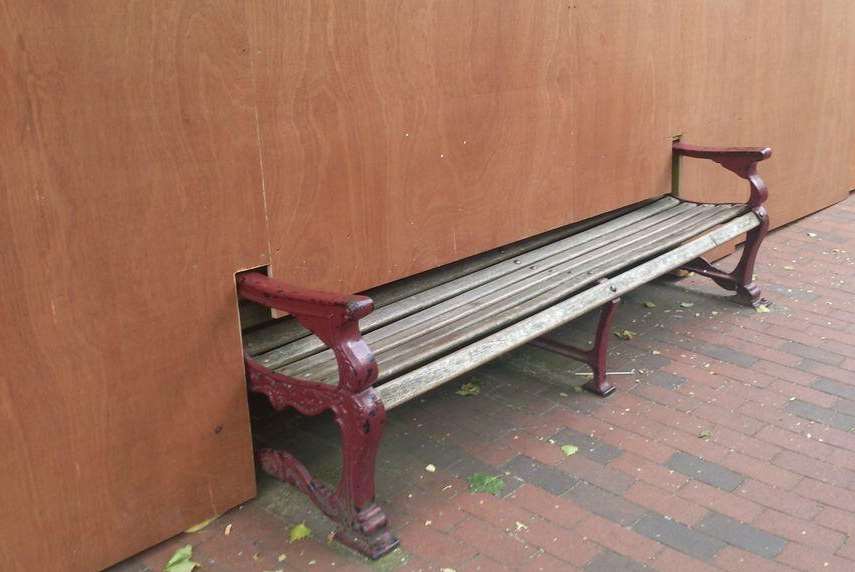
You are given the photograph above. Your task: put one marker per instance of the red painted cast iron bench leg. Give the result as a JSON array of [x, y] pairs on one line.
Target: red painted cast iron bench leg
[[743, 162], [595, 357], [358, 411]]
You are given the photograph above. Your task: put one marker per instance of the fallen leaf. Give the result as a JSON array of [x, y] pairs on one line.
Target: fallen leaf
[[484, 483], [467, 389], [812, 234], [569, 449], [520, 526], [705, 434], [228, 529], [430, 468], [789, 268], [180, 561], [282, 557], [761, 309], [649, 304], [626, 334], [299, 532], [201, 525], [687, 304]]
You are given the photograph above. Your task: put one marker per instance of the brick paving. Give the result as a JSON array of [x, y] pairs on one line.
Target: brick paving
[[730, 448]]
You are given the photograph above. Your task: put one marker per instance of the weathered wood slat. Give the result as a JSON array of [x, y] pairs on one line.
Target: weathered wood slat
[[407, 287], [287, 330], [437, 285], [510, 290], [459, 292], [400, 348], [502, 281], [416, 382]]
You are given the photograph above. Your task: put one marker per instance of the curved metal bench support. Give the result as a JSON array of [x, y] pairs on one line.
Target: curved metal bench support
[[743, 162], [595, 357], [358, 411]]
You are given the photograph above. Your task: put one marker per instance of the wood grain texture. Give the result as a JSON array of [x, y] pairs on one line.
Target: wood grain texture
[[772, 73], [130, 192], [143, 140], [400, 136], [469, 357]]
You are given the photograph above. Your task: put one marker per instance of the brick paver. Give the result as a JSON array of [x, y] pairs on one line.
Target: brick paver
[[730, 448]]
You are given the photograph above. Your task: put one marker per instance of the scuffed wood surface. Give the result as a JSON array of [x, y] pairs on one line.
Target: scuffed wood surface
[[437, 320], [423, 379]]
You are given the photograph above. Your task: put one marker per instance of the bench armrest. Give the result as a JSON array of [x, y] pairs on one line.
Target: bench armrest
[[334, 318], [273, 293], [740, 160]]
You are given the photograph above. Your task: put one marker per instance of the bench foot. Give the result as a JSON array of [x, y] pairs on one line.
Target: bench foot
[[599, 387], [595, 357], [362, 524], [369, 534]]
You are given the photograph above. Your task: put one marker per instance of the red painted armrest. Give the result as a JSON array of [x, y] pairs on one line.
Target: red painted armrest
[[301, 302], [740, 160], [723, 154], [334, 318]]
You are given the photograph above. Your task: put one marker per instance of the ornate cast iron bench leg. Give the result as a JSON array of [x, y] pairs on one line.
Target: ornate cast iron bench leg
[[358, 411], [743, 162], [595, 357]]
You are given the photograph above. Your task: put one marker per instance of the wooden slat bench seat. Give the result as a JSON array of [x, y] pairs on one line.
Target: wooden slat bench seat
[[335, 354]]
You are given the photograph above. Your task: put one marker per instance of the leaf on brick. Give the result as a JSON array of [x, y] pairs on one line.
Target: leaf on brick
[[761, 309], [705, 434], [687, 304], [467, 389], [299, 532], [649, 304], [180, 560], [569, 449], [201, 525], [626, 334], [484, 483]]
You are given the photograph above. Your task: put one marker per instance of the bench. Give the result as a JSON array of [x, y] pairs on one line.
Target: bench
[[359, 356]]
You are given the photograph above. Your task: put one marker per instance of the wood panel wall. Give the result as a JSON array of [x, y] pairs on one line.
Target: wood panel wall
[[153, 149], [399, 136], [130, 192], [783, 78]]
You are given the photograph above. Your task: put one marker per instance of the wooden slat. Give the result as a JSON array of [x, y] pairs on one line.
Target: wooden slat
[[399, 348], [511, 289], [419, 381], [534, 265], [406, 287], [286, 330]]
